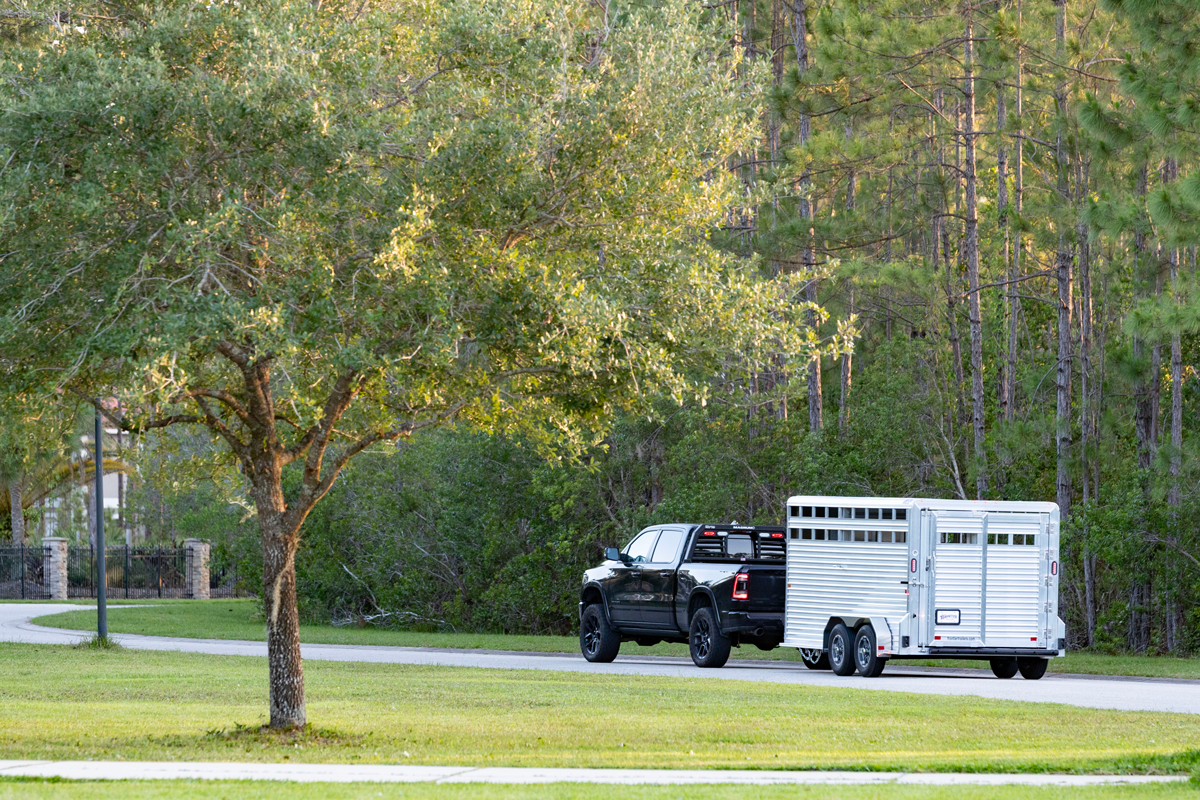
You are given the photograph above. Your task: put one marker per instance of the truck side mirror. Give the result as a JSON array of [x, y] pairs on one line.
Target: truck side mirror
[[612, 554]]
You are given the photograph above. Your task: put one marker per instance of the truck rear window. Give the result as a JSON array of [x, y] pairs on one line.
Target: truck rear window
[[715, 544]]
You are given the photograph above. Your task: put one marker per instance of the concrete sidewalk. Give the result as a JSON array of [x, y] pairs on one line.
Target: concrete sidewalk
[[379, 773]]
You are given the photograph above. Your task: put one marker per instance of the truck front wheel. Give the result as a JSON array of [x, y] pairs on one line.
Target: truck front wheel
[[599, 643], [1032, 668], [841, 651], [710, 647]]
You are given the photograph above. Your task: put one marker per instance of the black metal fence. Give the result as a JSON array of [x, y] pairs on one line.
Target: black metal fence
[[140, 573], [23, 573]]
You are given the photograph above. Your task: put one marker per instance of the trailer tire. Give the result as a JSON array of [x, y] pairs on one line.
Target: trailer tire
[[866, 657], [599, 643], [1004, 667], [814, 659], [1032, 668], [841, 651]]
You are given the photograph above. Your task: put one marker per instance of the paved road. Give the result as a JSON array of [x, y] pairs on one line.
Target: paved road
[[386, 773], [1130, 694]]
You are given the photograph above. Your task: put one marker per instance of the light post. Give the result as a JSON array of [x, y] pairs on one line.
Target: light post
[[101, 570]]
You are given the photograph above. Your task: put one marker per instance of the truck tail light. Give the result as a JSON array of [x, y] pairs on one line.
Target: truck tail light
[[741, 586]]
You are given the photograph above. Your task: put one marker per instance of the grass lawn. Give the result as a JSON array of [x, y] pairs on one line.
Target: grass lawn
[[249, 790], [67, 703], [238, 619]]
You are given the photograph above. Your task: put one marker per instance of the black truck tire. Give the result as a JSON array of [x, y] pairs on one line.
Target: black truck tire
[[1032, 668], [709, 647], [814, 659], [841, 651], [599, 643], [1003, 667], [866, 656]]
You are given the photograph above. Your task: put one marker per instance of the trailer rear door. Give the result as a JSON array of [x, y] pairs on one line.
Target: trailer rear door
[[955, 590], [1016, 580]]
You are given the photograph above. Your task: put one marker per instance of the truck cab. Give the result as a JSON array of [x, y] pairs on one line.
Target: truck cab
[[711, 586]]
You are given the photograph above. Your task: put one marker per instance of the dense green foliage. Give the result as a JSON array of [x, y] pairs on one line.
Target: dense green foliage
[[506, 222]]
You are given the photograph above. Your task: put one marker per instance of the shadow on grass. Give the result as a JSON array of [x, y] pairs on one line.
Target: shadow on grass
[[266, 736]]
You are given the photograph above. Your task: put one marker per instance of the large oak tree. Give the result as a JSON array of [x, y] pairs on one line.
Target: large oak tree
[[316, 228]]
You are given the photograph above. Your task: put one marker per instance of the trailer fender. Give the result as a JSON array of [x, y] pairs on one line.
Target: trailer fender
[[885, 634]]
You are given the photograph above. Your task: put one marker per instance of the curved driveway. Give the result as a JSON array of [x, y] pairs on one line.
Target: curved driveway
[[1129, 694]]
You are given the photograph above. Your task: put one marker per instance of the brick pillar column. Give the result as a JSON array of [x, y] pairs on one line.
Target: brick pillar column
[[55, 566], [197, 568]]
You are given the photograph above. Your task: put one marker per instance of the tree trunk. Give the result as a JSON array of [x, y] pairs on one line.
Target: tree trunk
[[972, 258], [1002, 203], [284, 665], [17, 510], [847, 368], [1063, 271], [1014, 300], [809, 260]]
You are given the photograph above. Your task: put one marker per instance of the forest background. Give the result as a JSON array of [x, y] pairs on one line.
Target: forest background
[[998, 200]]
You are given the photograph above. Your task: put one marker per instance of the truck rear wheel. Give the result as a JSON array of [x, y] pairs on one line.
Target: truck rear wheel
[[1003, 667], [710, 647], [599, 643], [841, 651], [1032, 668], [814, 659], [866, 656]]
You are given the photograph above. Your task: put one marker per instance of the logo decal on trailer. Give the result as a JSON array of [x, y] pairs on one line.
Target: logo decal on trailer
[[948, 616]]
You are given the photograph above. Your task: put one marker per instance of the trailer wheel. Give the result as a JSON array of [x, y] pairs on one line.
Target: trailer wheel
[[1032, 668], [599, 643], [841, 651], [814, 659], [866, 658], [1004, 667], [709, 647]]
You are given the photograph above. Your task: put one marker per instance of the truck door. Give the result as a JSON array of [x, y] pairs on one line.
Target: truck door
[[626, 590], [954, 586], [659, 578]]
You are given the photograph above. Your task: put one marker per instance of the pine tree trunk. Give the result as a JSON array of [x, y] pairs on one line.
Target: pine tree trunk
[[1014, 300], [972, 258], [17, 510], [800, 42], [1063, 272], [1005, 236]]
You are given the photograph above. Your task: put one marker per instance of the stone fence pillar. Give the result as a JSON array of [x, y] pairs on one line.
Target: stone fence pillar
[[55, 566], [197, 568]]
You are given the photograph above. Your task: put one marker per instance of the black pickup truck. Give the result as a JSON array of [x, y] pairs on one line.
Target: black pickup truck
[[712, 586]]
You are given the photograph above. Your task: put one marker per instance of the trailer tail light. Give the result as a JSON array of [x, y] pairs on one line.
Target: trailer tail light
[[741, 586], [912, 567], [1053, 567]]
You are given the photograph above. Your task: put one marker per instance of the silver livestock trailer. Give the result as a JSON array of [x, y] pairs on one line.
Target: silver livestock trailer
[[870, 579]]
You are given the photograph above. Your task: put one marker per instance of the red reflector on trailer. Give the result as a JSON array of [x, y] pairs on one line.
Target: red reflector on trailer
[[880, 647], [937, 637], [1033, 638]]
